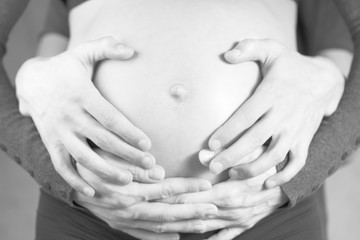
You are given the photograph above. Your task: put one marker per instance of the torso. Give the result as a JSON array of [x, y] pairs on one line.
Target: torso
[[179, 44]]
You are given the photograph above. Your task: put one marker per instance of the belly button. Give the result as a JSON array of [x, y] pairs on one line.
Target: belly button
[[179, 92]]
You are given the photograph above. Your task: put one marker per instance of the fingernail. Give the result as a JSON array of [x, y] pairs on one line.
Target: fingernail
[[205, 186], [233, 173], [216, 168], [157, 173], [205, 156], [123, 50], [148, 161], [232, 55], [235, 52], [125, 178], [215, 145], [199, 227], [89, 192], [144, 145]]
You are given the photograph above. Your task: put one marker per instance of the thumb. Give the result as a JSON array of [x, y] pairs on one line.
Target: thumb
[[101, 49], [263, 50]]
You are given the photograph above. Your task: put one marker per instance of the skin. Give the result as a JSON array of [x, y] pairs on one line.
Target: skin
[[230, 225]]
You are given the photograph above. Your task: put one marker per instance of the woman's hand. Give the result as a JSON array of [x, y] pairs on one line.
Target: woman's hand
[[241, 204], [67, 109], [287, 107], [132, 207]]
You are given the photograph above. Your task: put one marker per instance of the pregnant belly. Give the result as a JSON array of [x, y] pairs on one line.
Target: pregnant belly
[[177, 89], [179, 110]]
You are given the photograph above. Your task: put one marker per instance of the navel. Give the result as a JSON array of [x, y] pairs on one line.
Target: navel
[[179, 92]]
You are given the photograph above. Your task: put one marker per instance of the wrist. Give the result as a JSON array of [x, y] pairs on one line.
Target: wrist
[[334, 82]]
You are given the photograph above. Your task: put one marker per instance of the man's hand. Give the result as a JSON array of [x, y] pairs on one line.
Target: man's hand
[[287, 108], [241, 204], [67, 109], [135, 205]]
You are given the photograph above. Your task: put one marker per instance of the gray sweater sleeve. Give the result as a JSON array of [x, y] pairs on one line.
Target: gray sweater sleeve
[[338, 135], [18, 135]]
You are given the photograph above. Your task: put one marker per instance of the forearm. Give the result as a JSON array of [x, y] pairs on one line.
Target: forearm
[[339, 135], [18, 135]]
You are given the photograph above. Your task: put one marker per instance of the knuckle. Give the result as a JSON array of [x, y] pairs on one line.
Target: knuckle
[[232, 215], [248, 44], [245, 118], [104, 142], [182, 200], [228, 202], [274, 44], [136, 172], [166, 217], [59, 166], [166, 191], [246, 200], [192, 187], [198, 227], [127, 214], [133, 154], [107, 41], [80, 158], [107, 122], [159, 228]]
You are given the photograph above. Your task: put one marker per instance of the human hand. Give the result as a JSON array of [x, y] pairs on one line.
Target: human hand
[[287, 107], [67, 109], [241, 204], [131, 207]]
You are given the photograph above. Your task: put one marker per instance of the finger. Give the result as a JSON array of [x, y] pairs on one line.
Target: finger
[[297, 160], [143, 234], [263, 50], [191, 198], [85, 156], [109, 142], [62, 164], [266, 197], [101, 49], [205, 157], [255, 137], [111, 203], [234, 172], [243, 213], [245, 117], [276, 153], [161, 212], [188, 226], [112, 119], [227, 234], [139, 174], [173, 186]]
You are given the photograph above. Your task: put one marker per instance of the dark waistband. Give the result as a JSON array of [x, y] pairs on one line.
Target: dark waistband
[[58, 221]]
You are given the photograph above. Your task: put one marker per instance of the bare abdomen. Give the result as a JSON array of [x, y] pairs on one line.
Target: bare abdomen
[[179, 45]]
